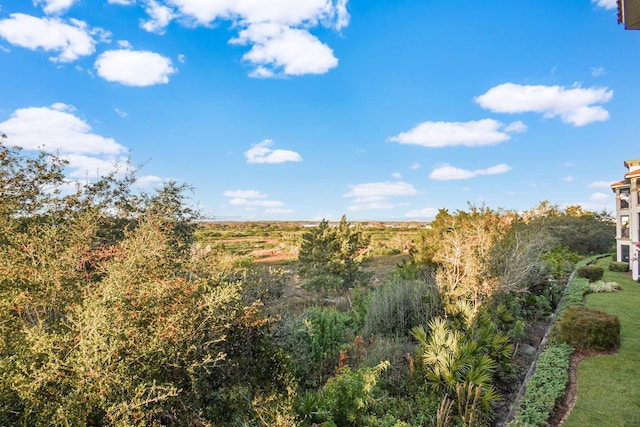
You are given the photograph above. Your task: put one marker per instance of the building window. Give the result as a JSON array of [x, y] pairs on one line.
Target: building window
[[624, 226], [624, 198], [624, 253]]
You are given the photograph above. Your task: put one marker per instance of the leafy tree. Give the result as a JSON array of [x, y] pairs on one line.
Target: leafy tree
[[460, 248], [330, 257], [110, 318]]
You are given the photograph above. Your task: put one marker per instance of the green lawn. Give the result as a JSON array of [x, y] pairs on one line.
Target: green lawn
[[609, 386]]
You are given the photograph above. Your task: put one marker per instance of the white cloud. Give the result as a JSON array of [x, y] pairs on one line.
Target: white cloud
[[182, 59], [71, 41], [254, 203], [568, 178], [448, 134], [396, 175], [245, 194], [261, 153], [57, 129], [124, 44], [286, 12], [122, 2], [375, 195], [160, 17], [278, 31], [426, 213], [280, 49], [516, 127], [600, 184], [121, 113], [598, 71], [573, 105], [134, 67], [93, 167], [599, 197], [380, 190], [448, 172], [606, 4], [415, 166], [55, 7], [251, 199], [147, 181]]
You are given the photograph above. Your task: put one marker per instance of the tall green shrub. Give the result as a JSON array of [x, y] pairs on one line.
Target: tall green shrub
[[400, 305], [588, 329], [591, 272]]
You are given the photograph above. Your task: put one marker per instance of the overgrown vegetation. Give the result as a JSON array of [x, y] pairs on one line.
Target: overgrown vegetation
[[118, 310]]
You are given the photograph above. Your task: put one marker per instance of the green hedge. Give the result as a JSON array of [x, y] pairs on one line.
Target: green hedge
[[588, 329], [590, 272], [620, 267]]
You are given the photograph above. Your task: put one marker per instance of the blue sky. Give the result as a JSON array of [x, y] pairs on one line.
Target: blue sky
[[310, 109]]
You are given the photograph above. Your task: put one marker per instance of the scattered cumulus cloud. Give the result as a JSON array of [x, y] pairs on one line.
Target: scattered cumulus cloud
[[244, 194], [375, 195], [147, 181], [121, 113], [278, 49], [90, 167], [426, 213], [122, 2], [251, 199], [396, 175], [69, 40], [54, 7], [159, 17], [448, 134], [254, 203], [598, 196], [182, 59], [263, 153], [600, 184], [573, 105], [598, 71], [57, 129], [448, 172], [134, 67], [606, 4], [278, 32], [568, 178], [415, 166]]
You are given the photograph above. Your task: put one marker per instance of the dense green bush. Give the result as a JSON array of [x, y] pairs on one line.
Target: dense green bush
[[591, 272], [588, 329], [561, 260], [400, 305], [314, 340], [621, 267], [344, 400], [545, 387]]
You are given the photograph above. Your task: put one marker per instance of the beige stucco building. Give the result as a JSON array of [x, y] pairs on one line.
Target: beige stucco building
[[628, 216]]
